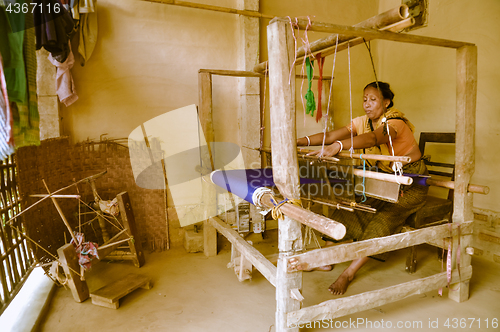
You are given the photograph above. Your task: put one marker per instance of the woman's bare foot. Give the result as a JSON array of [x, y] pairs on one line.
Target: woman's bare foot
[[321, 268], [340, 285]]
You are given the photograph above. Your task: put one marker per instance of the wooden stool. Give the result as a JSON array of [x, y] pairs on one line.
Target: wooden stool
[[109, 296]]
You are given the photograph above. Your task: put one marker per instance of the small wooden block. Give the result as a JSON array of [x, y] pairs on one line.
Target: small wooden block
[[110, 295]]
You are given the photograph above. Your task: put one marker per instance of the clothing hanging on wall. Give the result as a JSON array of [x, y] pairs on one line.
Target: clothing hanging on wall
[[19, 105], [6, 122], [88, 29], [53, 30], [65, 86]]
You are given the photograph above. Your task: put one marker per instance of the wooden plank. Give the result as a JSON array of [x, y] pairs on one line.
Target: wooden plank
[[465, 124], [128, 220], [206, 120], [265, 267], [105, 304], [348, 305], [284, 159], [69, 262], [351, 251], [110, 295], [58, 208]]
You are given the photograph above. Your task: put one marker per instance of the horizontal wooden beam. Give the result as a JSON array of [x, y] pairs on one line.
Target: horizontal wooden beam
[[377, 34], [327, 226], [350, 251], [353, 41], [348, 305], [246, 73], [382, 20], [212, 8], [236, 73], [265, 267], [472, 188]]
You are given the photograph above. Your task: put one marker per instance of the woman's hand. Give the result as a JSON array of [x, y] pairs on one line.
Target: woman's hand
[[329, 151], [303, 141]]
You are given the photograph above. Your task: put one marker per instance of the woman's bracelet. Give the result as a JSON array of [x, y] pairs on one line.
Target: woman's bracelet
[[341, 145], [308, 141]]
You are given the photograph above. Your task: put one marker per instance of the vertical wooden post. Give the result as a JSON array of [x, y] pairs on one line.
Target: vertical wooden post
[[464, 155], [205, 116], [284, 159]]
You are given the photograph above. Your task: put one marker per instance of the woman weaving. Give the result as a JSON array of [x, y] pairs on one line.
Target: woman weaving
[[371, 133]]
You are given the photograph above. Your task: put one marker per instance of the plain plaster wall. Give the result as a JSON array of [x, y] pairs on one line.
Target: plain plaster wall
[[146, 63]]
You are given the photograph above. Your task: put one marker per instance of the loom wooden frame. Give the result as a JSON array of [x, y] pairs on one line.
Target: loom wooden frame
[[286, 280]]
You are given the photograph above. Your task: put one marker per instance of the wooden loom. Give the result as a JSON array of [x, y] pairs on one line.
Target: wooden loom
[[288, 281]]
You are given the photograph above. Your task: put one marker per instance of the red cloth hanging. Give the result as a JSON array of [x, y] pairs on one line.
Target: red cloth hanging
[[320, 61]]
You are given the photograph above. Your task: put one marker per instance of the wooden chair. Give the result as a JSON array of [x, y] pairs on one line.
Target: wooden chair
[[435, 209]]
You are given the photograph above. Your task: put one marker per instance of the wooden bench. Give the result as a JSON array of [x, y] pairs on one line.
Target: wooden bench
[[109, 296]]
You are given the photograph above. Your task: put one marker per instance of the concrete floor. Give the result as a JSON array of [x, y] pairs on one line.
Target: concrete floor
[[194, 293]]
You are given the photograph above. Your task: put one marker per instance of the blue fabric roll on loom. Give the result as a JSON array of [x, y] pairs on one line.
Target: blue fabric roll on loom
[[244, 182]]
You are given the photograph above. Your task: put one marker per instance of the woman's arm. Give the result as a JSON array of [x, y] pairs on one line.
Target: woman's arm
[[362, 141], [331, 136]]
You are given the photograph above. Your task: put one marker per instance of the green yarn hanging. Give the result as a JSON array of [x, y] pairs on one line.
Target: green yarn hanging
[[310, 102]]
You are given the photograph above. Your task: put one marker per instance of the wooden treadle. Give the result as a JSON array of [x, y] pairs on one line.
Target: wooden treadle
[[109, 296]]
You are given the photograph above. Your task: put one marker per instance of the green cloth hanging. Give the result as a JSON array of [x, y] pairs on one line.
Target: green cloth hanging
[[310, 103]]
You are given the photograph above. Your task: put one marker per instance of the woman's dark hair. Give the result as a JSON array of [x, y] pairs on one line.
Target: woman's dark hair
[[385, 89]]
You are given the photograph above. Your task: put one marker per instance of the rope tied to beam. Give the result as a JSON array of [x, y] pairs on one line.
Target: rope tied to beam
[[276, 211]]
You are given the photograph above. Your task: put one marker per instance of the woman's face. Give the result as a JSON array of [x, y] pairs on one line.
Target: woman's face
[[373, 104]]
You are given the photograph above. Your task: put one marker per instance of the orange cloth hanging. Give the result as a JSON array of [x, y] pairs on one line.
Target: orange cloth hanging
[[320, 61]]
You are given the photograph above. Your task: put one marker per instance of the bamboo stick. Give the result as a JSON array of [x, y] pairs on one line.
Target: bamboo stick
[[56, 196], [472, 188], [114, 243], [58, 208], [378, 157], [303, 153], [95, 176], [102, 221]]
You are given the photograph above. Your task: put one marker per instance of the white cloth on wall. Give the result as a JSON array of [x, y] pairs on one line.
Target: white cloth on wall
[[65, 86]]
